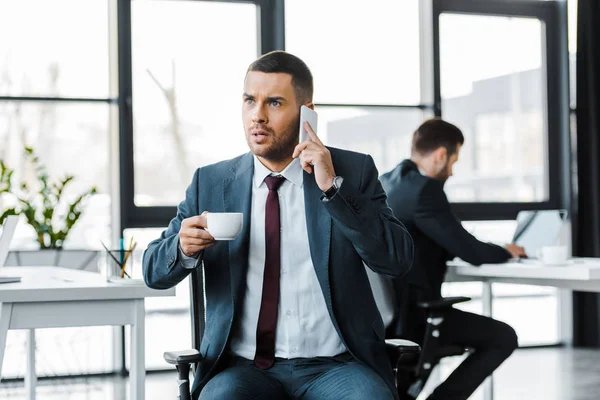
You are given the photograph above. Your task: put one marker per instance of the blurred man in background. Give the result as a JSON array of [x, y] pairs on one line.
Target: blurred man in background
[[415, 190]]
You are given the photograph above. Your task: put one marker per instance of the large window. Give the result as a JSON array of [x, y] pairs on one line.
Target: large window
[[46, 52], [55, 98], [504, 87], [359, 52], [493, 88], [367, 72], [188, 77]]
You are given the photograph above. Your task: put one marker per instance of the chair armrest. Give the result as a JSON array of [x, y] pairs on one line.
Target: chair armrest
[[191, 356], [401, 351], [440, 304]]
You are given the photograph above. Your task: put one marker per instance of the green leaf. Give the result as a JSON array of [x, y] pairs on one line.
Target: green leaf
[[38, 203]]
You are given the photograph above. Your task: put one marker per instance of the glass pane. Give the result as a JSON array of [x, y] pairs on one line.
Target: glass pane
[[383, 132], [55, 48], [493, 88], [70, 139], [167, 318], [572, 12], [359, 52], [187, 88]]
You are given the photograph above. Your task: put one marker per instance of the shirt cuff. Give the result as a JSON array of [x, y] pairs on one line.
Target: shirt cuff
[[188, 262]]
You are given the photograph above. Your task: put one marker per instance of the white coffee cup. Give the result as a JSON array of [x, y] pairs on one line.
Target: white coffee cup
[[553, 255], [224, 226]]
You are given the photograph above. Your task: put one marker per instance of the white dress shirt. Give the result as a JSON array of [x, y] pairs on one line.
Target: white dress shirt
[[304, 327]]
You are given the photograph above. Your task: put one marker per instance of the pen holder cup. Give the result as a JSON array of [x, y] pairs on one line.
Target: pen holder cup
[[118, 264]]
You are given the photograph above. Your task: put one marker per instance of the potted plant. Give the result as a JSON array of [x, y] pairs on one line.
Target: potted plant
[[43, 203]]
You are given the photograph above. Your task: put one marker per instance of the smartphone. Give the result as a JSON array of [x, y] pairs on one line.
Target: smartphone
[[310, 116]]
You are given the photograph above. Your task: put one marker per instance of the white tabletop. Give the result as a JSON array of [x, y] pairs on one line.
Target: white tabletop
[[63, 284], [583, 269], [581, 274]]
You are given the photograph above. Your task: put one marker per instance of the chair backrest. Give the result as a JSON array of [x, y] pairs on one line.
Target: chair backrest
[[197, 308], [383, 292]]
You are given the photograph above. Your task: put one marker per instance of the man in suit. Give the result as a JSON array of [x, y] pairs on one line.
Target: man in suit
[[415, 190], [289, 309]]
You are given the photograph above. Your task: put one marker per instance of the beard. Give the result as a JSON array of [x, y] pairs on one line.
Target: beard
[[443, 175], [281, 145]]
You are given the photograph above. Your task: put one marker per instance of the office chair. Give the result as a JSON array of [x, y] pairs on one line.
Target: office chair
[[400, 352], [432, 352], [411, 376]]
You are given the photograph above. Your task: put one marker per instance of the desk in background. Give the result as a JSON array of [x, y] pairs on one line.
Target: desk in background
[[53, 297], [582, 274]]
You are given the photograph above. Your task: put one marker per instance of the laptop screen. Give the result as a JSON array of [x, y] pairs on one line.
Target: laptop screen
[[536, 229], [8, 230]]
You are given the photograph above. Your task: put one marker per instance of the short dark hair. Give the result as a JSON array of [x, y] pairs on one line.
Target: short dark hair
[[281, 61], [436, 133]]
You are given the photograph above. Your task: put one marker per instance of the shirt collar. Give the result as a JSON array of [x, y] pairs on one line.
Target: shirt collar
[[293, 172]]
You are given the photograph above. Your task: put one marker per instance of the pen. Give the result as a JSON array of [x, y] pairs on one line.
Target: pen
[[121, 251], [131, 248]]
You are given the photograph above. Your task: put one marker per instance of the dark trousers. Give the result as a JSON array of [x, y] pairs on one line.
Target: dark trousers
[[493, 341], [321, 378]]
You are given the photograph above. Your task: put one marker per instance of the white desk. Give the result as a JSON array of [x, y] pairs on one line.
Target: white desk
[[53, 297], [583, 274]]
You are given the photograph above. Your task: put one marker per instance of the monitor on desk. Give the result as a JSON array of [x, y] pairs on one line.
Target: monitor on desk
[[536, 229], [8, 230]]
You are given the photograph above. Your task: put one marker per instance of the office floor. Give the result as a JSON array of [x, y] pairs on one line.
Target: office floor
[[531, 374]]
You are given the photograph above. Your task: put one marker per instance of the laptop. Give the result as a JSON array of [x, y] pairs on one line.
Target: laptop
[[8, 230], [536, 229]]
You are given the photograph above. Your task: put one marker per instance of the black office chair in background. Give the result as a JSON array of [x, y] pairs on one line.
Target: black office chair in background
[[401, 353], [412, 376], [432, 351]]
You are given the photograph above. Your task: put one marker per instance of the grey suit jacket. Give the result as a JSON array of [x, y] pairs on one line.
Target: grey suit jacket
[[355, 225]]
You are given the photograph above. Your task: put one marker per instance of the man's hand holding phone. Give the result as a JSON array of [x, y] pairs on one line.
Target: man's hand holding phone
[[193, 238], [315, 156]]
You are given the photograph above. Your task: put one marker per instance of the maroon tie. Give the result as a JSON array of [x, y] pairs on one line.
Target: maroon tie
[[267, 318]]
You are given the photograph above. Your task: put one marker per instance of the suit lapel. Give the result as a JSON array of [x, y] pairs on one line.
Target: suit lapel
[[237, 197], [318, 226]]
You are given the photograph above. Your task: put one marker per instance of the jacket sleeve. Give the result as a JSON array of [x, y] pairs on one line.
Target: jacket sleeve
[[363, 215], [434, 218], [162, 264]]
